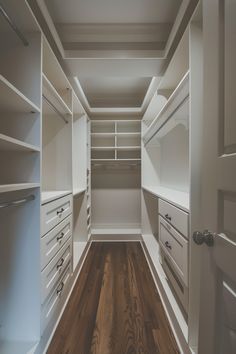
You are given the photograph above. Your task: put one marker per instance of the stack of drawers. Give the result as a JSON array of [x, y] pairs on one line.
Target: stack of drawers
[[56, 255], [173, 236]]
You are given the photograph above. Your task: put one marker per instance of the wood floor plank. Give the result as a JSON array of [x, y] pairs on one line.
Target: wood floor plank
[[115, 307]]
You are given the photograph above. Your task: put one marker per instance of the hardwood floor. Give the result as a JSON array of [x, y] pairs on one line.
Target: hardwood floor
[[114, 307]]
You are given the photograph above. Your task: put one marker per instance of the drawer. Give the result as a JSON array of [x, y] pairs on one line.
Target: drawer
[[176, 247], [51, 274], [52, 308], [177, 217], [180, 290], [54, 240], [54, 212]]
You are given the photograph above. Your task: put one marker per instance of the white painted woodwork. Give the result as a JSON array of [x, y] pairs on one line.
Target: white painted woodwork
[[49, 196], [217, 327], [52, 307], [52, 242], [54, 212], [175, 216], [51, 274], [175, 247], [56, 76]]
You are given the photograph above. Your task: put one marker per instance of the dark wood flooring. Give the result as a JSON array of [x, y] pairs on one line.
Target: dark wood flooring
[[114, 307]]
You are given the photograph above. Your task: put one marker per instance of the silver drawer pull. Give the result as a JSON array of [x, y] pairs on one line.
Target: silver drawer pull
[[60, 288], [168, 217], [168, 245], [59, 212], [59, 238], [60, 264]]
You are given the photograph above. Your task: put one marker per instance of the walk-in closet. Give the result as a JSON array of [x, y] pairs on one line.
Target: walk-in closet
[[117, 179]]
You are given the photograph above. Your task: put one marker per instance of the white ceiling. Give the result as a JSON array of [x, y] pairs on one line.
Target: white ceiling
[[113, 11], [115, 91], [114, 47]]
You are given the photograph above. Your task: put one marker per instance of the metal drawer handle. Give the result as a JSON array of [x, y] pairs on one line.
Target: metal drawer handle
[[168, 217], [59, 265], [59, 212], [168, 245], [60, 237], [60, 288]]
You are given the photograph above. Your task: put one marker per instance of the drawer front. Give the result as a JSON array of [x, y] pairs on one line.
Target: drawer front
[[54, 212], [176, 247], [177, 217], [51, 274], [52, 308], [179, 288], [54, 240]]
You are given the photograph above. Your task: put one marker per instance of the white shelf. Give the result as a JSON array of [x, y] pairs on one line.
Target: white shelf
[[174, 102], [179, 199], [13, 101], [124, 231], [78, 191], [128, 147], [48, 196], [10, 144], [17, 187], [53, 96], [116, 134], [113, 160], [103, 148]]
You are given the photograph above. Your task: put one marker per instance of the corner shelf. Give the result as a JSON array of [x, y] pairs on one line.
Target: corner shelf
[[12, 100]]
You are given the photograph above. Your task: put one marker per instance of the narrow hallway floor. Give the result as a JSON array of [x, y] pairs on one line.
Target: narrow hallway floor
[[114, 307]]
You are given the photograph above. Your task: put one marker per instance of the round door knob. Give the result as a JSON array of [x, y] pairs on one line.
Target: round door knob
[[206, 237]]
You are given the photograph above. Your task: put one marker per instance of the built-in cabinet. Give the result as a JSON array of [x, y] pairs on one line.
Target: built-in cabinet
[[44, 152], [171, 157]]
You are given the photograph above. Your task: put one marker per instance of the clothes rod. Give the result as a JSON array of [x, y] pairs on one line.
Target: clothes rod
[[55, 109], [17, 202], [13, 26]]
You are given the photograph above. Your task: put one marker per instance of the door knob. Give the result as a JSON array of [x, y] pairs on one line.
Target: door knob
[[206, 237]]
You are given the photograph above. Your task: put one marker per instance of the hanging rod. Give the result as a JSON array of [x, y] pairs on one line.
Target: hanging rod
[[17, 202], [55, 109], [13, 26]]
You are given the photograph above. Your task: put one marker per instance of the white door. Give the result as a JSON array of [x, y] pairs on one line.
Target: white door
[[218, 278]]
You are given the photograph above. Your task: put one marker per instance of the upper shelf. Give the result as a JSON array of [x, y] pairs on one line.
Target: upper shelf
[[13, 101], [53, 96], [175, 107]]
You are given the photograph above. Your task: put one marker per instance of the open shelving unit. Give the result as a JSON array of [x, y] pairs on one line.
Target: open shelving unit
[[56, 129], [115, 140], [79, 164], [20, 148], [166, 171]]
